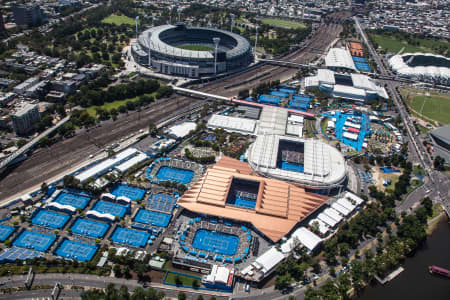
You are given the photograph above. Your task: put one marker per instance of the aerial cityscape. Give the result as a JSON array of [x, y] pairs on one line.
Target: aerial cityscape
[[224, 149]]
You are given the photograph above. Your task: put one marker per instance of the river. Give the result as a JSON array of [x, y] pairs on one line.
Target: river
[[415, 282]]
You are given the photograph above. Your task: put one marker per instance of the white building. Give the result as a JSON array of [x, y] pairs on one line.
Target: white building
[[181, 130], [339, 58]]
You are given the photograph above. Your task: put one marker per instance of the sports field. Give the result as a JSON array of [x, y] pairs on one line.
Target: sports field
[[283, 23], [196, 47], [119, 20], [394, 45], [435, 107]]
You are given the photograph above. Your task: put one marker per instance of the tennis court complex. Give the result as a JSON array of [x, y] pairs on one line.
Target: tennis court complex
[[216, 242], [77, 201], [130, 192], [130, 237], [5, 232], [33, 240], [89, 228], [15, 253], [76, 250], [152, 218], [51, 219], [110, 208], [161, 202], [175, 174]]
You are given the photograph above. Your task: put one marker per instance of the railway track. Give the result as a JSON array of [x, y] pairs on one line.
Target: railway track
[[47, 163]]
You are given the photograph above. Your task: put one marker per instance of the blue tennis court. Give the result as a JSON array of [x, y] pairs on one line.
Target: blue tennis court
[[15, 253], [76, 250], [359, 59], [216, 242], [130, 237], [292, 167], [161, 202], [90, 228], [5, 232], [33, 240], [51, 219], [152, 218], [175, 174], [116, 210], [362, 66], [77, 201], [130, 192]]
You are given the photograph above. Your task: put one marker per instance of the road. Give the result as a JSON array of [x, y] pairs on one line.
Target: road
[[93, 281], [436, 182]]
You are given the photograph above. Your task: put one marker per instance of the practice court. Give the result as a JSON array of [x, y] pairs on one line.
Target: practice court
[[130, 192], [77, 201], [33, 240], [152, 218], [51, 219], [175, 174], [116, 210], [90, 228], [76, 250], [5, 232], [130, 237]]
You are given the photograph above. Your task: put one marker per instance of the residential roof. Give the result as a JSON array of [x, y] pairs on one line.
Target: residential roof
[[278, 202]]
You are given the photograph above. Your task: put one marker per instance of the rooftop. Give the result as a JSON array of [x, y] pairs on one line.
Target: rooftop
[[277, 202]]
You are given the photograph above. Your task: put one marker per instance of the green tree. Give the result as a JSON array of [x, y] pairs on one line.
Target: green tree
[[182, 296]]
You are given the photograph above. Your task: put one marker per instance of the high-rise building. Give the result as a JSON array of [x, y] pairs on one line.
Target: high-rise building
[[24, 117], [30, 15]]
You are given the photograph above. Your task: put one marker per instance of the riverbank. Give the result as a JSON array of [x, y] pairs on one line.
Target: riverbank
[[416, 282]]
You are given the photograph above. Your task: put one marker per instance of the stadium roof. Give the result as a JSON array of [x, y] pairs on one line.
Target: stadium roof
[[442, 133], [272, 121], [399, 65], [339, 58], [158, 45], [324, 165], [233, 124], [278, 202]]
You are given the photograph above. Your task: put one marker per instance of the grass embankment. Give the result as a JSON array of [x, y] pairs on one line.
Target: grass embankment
[[92, 110], [196, 47], [394, 45], [283, 23], [171, 278], [119, 20]]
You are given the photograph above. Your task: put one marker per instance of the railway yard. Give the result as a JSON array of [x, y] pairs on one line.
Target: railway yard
[[47, 163]]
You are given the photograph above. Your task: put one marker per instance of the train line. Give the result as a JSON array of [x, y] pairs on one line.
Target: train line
[[54, 160]]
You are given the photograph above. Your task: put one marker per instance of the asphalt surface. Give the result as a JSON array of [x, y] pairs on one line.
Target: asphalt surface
[[47, 163], [90, 281]]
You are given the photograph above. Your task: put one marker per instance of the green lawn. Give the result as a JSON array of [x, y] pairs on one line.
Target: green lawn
[[436, 107], [196, 47], [186, 280], [394, 45], [110, 105], [283, 23], [119, 20]]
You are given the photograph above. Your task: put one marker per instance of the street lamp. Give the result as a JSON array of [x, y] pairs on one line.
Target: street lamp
[[216, 41], [149, 51], [256, 41]]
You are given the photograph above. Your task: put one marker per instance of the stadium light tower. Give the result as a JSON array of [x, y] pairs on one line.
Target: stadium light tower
[[232, 22], [216, 41], [256, 41], [179, 15], [149, 51], [137, 30]]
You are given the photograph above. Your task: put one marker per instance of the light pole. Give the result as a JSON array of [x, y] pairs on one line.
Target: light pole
[[179, 15], [256, 41], [149, 51], [232, 22], [137, 32], [216, 41]]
